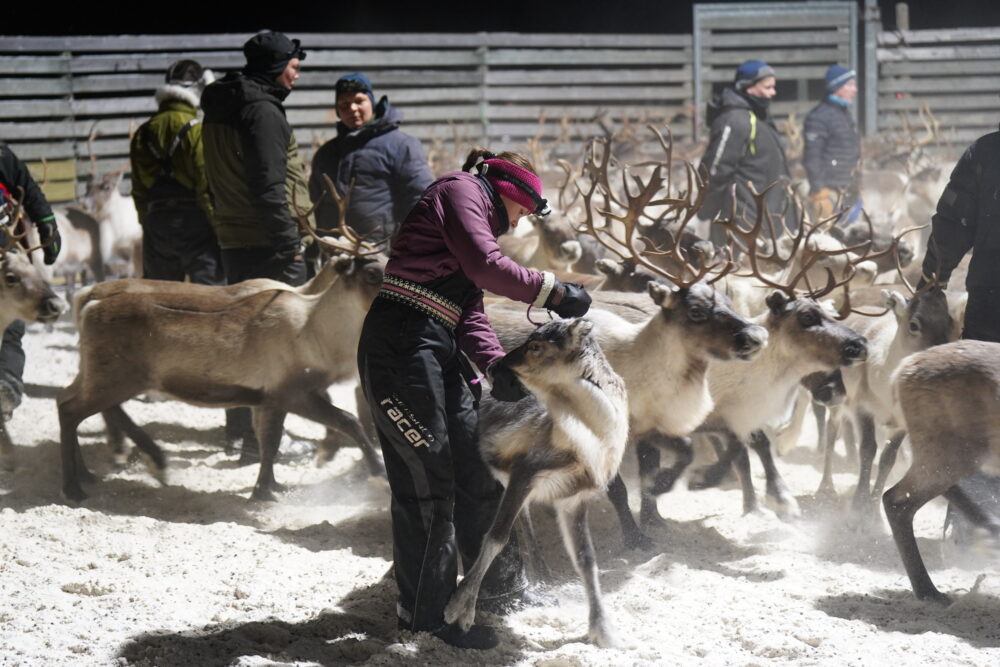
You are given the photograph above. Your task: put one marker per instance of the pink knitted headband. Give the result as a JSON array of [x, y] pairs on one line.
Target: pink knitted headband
[[514, 182]]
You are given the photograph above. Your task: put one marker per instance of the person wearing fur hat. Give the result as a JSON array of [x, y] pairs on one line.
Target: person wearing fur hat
[[252, 162], [833, 147], [169, 185], [387, 167], [421, 389], [744, 147]]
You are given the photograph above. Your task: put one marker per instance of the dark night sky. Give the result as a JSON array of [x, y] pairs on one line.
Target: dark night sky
[[618, 16]]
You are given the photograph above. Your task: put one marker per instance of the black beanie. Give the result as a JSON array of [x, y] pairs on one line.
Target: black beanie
[[268, 53]]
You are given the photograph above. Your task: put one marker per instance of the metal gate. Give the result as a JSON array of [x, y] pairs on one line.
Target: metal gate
[[799, 39]]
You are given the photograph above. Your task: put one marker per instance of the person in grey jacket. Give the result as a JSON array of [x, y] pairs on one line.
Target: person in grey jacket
[[387, 167], [833, 146], [744, 149]]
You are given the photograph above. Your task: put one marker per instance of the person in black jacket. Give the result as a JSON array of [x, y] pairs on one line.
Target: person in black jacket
[[744, 149], [252, 163], [833, 147], [968, 218], [16, 182], [387, 167]]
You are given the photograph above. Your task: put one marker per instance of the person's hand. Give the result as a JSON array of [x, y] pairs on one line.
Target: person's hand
[[506, 386], [568, 300], [48, 234], [287, 252], [822, 202]]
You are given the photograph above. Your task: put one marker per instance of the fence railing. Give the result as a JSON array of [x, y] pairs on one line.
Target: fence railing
[[953, 72], [73, 101]]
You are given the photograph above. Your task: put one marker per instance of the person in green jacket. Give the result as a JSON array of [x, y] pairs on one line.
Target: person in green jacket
[[256, 176], [169, 185]]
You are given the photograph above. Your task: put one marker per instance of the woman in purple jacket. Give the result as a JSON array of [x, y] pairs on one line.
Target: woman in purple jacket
[[413, 372]]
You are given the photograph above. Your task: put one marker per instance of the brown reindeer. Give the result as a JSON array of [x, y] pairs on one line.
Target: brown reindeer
[[949, 396], [275, 349]]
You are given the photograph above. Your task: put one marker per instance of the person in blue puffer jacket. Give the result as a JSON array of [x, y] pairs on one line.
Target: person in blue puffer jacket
[[388, 168]]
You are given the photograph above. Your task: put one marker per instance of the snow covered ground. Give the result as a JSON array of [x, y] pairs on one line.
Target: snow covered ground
[[194, 574]]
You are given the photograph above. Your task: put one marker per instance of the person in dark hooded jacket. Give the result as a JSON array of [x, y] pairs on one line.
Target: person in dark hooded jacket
[[744, 147], [252, 163], [388, 168]]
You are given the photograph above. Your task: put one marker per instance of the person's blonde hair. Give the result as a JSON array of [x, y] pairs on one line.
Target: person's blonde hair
[[479, 153]]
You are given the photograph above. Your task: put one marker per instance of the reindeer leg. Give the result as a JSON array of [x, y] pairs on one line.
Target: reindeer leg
[[826, 488], [886, 461], [712, 475], [632, 535], [742, 465], [6, 448], [116, 441], [901, 502], [786, 505], [524, 528], [649, 465], [316, 406], [575, 530], [461, 608], [268, 423], [664, 480], [820, 411], [117, 419], [866, 427]]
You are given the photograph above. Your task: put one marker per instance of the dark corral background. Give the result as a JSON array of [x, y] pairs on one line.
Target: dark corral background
[[615, 16]]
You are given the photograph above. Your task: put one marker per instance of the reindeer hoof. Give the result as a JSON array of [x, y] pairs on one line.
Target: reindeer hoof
[[826, 494], [461, 610], [785, 506], [263, 495], [73, 493], [639, 541], [708, 477], [84, 475], [934, 596], [603, 636]]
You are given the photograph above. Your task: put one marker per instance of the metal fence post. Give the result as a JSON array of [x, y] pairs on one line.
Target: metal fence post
[[873, 22], [483, 52]]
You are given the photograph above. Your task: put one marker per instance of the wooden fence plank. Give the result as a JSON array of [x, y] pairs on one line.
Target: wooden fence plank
[[913, 37], [577, 57], [932, 68], [939, 53], [822, 54], [24, 87], [54, 170], [913, 103], [34, 65], [518, 77], [566, 93], [814, 37], [44, 130], [35, 108], [779, 18], [939, 84], [50, 150]]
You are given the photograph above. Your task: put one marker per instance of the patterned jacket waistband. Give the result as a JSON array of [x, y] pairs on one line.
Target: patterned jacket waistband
[[425, 300]]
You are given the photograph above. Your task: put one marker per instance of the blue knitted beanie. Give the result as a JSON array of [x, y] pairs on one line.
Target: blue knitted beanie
[[837, 76], [750, 73], [355, 82]]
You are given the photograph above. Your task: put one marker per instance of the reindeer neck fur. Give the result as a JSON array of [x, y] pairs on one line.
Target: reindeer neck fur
[[667, 380], [870, 384], [589, 415], [751, 394], [333, 316]]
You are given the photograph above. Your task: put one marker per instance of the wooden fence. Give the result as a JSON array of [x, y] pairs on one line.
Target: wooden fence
[[800, 39], [73, 101], [954, 72]]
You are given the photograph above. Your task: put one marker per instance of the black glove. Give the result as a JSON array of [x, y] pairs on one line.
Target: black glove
[[48, 234], [287, 251], [506, 386], [568, 299]]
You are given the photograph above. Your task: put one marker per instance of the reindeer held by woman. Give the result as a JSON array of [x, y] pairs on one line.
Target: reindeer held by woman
[[561, 447]]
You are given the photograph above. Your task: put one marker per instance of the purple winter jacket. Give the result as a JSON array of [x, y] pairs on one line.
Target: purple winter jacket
[[455, 226]]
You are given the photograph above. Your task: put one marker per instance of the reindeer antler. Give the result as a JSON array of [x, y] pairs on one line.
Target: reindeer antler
[[359, 247]]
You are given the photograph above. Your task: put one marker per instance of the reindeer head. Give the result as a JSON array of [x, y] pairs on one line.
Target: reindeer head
[[810, 327], [707, 320], [99, 190], [924, 318]]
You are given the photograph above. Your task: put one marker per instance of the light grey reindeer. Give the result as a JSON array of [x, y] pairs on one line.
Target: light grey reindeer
[[561, 447], [949, 396]]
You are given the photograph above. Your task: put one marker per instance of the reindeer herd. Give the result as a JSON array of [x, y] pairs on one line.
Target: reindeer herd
[[688, 347]]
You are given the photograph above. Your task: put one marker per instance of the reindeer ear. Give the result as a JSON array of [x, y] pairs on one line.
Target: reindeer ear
[[609, 267], [659, 292], [343, 263], [777, 301], [581, 327], [895, 302]]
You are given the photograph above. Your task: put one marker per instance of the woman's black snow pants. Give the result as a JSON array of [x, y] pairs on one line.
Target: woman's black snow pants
[[442, 492]]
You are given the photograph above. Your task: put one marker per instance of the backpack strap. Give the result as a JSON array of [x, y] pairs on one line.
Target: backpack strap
[[165, 159], [753, 133]]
